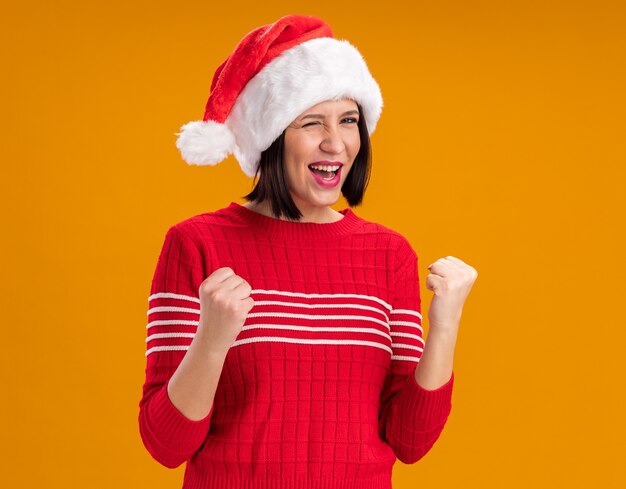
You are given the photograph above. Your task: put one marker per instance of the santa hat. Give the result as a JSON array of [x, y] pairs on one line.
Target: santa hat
[[276, 72]]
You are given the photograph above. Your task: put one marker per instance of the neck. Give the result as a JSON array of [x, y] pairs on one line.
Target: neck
[[319, 215], [261, 224]]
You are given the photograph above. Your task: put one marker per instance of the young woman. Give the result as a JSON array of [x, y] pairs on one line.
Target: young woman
[[285, 346]]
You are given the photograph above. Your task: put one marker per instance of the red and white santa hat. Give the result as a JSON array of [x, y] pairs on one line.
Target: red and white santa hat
[[276, 72]]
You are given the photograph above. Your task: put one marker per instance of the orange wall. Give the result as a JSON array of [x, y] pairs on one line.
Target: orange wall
[[501, 143]]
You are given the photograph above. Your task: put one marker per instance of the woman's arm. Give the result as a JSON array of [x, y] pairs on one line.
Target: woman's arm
[[451, 280], [171, 421], [435, 366], [411, 416], [192, 387]]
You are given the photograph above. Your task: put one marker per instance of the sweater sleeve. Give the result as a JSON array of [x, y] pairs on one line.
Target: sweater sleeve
[[411, 417], [173, 314]]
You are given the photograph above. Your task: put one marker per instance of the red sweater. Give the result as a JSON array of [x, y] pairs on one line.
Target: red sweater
[[318, 390]]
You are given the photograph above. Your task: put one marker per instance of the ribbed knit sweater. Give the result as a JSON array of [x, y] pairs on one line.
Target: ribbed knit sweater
[[318, 390]]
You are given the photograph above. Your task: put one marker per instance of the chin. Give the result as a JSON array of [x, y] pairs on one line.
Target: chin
[[330, 200]]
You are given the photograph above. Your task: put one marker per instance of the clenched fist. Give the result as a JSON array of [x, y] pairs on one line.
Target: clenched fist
[[224, 305], [451, 280]]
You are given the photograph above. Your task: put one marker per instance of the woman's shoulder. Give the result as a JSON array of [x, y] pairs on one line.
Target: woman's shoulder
[[394, 238], [203, 224]]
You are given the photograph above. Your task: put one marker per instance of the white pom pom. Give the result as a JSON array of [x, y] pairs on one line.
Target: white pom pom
[[205, 142]]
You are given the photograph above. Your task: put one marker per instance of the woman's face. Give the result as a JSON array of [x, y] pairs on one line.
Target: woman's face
[[326, 134]]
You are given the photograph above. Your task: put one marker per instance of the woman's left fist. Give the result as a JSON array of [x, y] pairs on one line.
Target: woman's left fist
[[451, 280]]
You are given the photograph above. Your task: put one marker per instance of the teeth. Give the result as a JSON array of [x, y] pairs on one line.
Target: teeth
[[325, 167]]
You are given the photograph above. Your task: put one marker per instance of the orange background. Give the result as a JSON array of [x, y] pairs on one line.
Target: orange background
[[502, 142]]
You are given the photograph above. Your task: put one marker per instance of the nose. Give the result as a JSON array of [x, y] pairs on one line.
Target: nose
[[332, 141]]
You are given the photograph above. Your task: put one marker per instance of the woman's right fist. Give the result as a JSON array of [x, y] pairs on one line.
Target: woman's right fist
[[224, 305]]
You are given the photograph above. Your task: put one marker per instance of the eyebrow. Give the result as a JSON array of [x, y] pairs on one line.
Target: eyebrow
[[321, 116]]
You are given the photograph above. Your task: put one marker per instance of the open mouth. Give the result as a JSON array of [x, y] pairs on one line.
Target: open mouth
[[326, 175]]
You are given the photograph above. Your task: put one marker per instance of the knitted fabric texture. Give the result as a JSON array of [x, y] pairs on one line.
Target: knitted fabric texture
[[318, 390]]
